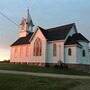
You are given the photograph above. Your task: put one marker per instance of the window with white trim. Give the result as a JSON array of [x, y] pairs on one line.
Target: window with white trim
[[21, 52], [27, 51], [54, 49], [15, 52], [69, 52], [37, 50], [83, 53]]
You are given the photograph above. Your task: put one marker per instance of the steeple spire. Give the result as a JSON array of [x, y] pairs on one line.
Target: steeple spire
[[26, 24]]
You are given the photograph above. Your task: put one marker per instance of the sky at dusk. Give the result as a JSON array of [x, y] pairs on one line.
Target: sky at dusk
[[44, 13]]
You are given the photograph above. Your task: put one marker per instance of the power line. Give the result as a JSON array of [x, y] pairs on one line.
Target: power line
[[9, 19]]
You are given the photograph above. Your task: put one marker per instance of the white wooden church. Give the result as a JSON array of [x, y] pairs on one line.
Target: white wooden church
[[49, 47]]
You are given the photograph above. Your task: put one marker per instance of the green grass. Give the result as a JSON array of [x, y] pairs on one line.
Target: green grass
[[24, 82], [28, 68]]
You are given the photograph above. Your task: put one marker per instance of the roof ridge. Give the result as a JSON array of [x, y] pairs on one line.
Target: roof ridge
[[63, 26], [41, 28]]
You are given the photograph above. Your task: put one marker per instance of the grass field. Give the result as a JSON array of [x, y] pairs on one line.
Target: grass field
[[21, 82], [28, 68]]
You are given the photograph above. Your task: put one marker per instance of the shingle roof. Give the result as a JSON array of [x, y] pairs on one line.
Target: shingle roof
[[72, 41], [57, 33], [44, 32], [23, 40], [75, 39], [80, 37]]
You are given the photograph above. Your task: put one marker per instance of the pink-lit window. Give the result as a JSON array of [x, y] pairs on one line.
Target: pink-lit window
[[15, 54], [37, 50], [54, 50], [27, 51], [21, 52]]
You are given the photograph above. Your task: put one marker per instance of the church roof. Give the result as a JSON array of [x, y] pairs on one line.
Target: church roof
[[23, 40], [72, 41], [80, 37], [75, 39], [44, 32], [57, 33]]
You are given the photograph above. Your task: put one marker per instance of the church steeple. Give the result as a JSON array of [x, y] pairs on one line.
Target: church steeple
[[26, 25]]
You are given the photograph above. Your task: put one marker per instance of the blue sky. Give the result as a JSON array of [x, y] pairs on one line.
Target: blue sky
[[44, 13]]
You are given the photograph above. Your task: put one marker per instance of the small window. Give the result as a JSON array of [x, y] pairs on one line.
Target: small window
[[21, 52], [15, 53], [83, 53], [69, 52], [27, 51], [54, 50]]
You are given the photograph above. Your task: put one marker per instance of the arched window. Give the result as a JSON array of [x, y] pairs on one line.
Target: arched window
[[83, 53], [21, 52], [69, 52], [54, 50], [27, 51], [15, 53], [37, 51]]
